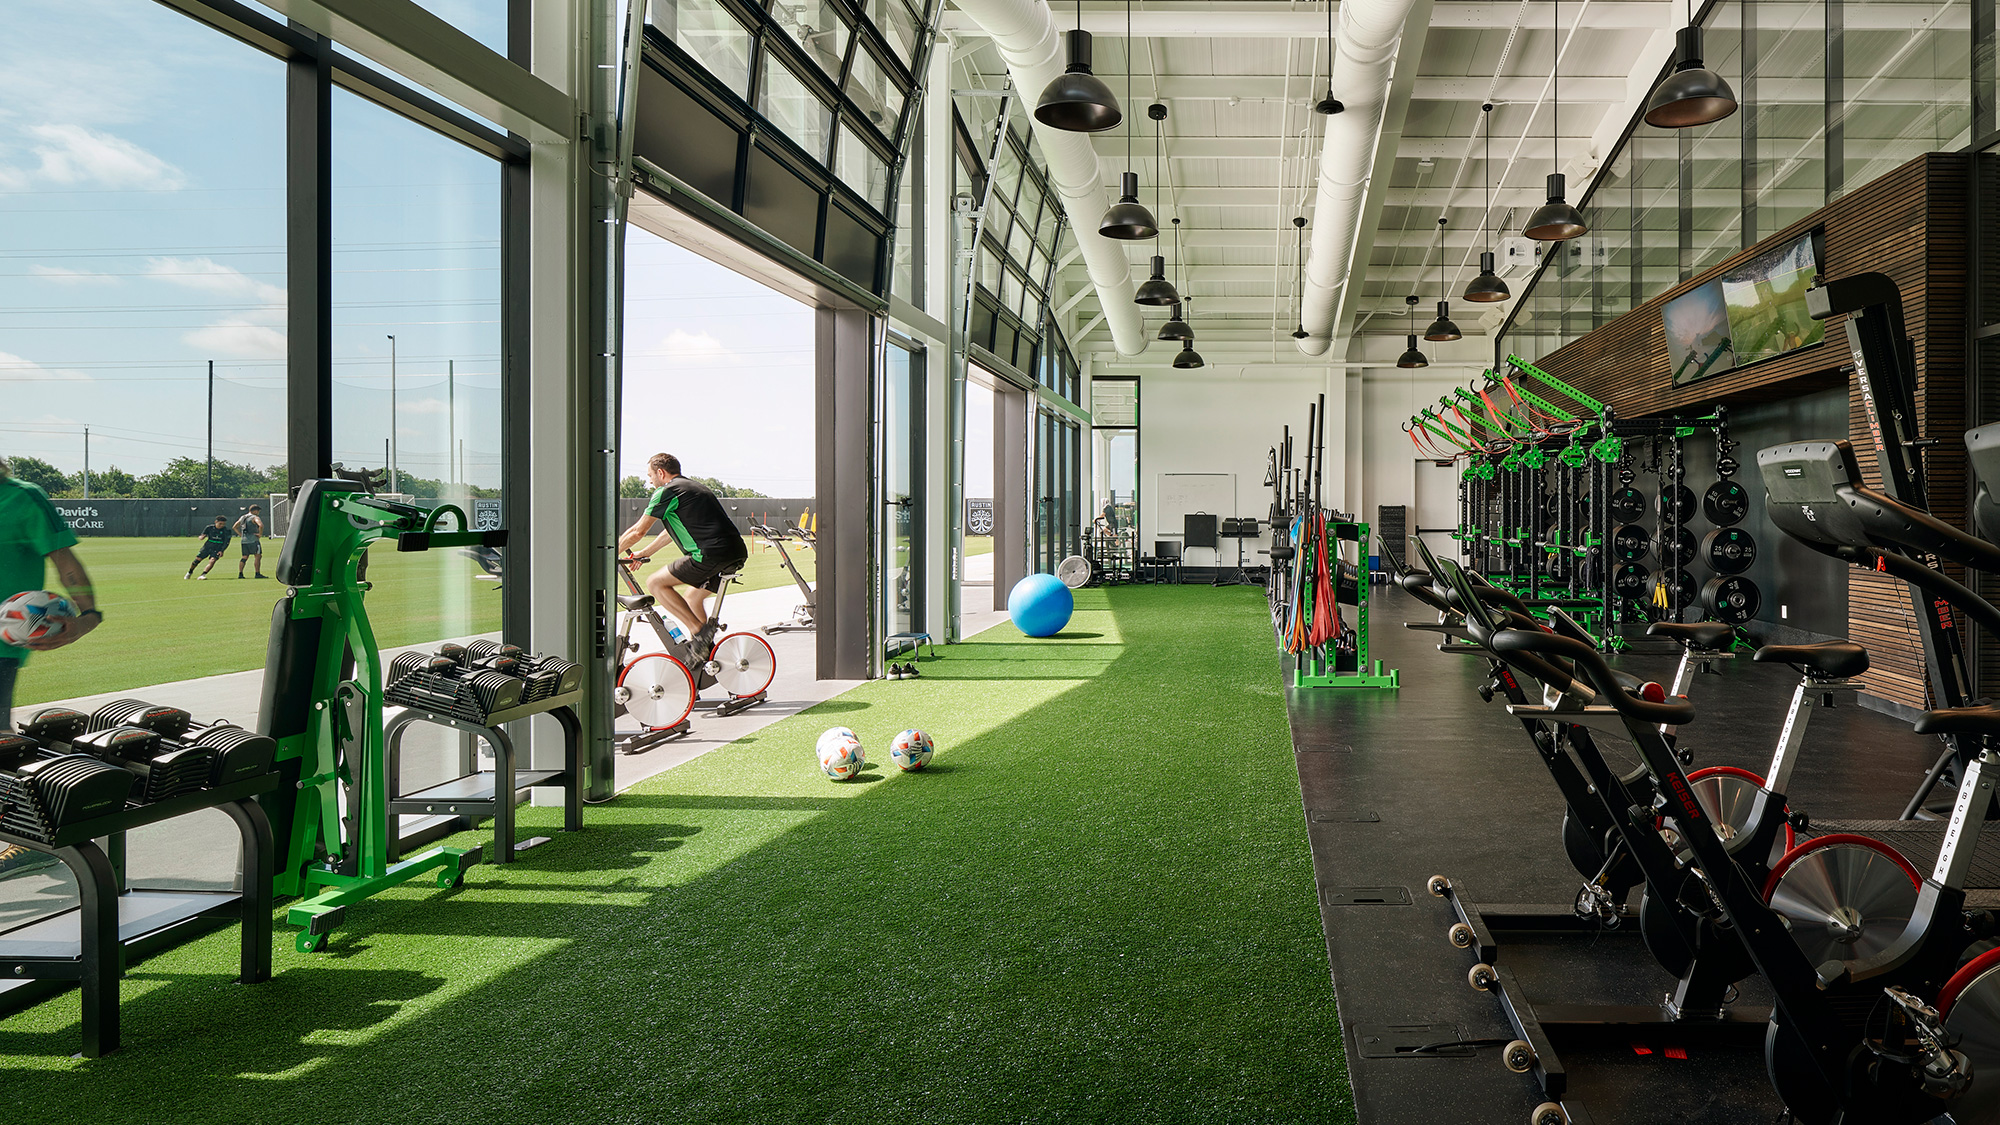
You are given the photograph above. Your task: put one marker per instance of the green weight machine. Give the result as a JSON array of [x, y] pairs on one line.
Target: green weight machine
[[322, 702]]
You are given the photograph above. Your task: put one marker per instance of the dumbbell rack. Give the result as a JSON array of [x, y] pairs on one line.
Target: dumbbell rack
[[114, 926], [441, 701]]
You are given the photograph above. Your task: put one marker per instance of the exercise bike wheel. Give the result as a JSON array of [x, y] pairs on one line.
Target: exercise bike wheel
[[1970, 1005], [1847, 897], [657, 690], [746, 664], [1726, 794]]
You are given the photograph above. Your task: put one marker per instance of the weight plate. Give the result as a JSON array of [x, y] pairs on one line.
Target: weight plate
[[1626, 477], [1725, 503], [1556, 567], [1632, 581], [1729, 550], [1677, 547], [1733, 599], [1726, 467], [1677, 504], [1628, 505], [1631, 543], [1681, 588]]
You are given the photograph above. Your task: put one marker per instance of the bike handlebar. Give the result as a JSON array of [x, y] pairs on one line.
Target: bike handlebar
[[1675, 712]]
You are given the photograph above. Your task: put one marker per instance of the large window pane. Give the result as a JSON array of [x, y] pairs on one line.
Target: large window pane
[[484, 20], [142, 238], [416, 366], [1787, 88], [788, 103], [875, 93], [1715, 152], [706, 30], [860, 167], [1906, 87], [897, 25], [816, 27]]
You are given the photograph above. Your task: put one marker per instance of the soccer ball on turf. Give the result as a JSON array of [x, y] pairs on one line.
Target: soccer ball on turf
[[34, 615], [835, 734], [841, 758], [911, 750]]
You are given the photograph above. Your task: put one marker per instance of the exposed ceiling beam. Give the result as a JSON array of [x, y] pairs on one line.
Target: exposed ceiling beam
[[1473, 197]]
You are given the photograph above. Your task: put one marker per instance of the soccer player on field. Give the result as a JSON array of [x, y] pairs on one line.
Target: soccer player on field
[[214, 540]]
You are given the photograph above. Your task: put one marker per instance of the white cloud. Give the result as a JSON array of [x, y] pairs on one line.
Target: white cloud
[[14, 369], [74, 156], [680, 344], [213, 277], [422, 406], [62, 275], [239, 338]]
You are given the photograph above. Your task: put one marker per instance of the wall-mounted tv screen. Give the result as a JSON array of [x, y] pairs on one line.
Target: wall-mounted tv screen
[[1698, 340], [1751, 313], [1767, 302]]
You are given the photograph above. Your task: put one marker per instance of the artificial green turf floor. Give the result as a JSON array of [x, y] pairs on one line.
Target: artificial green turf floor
[[1097, 904]]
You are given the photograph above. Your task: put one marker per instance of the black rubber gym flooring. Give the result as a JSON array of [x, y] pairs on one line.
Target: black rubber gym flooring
[[1429, 780]]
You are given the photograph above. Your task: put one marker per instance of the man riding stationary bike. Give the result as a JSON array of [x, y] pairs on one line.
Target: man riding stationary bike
[[694, 520]]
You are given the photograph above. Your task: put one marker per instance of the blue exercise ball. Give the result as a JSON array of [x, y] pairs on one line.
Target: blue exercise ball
[[1040, 605]]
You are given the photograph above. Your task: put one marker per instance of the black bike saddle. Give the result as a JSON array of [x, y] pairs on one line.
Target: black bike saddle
[[1838, 659], [1713, 635]]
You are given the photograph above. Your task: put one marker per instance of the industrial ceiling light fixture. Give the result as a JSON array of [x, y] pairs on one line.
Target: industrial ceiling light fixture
[[1692, 94], [1176, 329], [1487, 288], [1157, 290], [1188, 357], [1442, 329], [1128, 220], [1300, 332], [1411, 357], [1329, 105], [1556, 220], [1078, 101]]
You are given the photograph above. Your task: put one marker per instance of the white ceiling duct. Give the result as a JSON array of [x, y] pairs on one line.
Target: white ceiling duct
[[1032, 45], [1363, 62]]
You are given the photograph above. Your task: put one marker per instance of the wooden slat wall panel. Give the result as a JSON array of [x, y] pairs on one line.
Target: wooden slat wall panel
[[1913, 225]]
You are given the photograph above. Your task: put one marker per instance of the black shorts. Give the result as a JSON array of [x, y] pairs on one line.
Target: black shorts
[[252, 547], [210, 552], [702, 575]]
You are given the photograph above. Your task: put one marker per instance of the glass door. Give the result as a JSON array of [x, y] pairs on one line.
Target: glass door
[[902, 489]]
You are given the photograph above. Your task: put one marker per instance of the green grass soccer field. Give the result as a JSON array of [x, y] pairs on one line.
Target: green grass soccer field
[[159, 627]]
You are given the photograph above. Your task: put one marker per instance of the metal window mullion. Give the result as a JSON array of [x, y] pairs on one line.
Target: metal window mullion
[[309, 264], [1836, 101], [1984, 70], [1747, 114], [1684, 179]]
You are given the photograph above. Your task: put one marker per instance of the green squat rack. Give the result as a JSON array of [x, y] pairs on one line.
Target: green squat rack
[[322, 702]]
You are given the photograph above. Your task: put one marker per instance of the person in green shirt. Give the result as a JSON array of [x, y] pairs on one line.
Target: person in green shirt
[[33, 535], [693, 520]]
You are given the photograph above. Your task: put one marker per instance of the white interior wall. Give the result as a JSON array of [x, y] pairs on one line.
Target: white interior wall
[[1390, 395], [1219, 420]]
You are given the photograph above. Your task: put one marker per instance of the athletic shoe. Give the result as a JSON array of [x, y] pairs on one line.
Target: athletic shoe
[[15, 858], [201, 578], [895, 672], [910, 672], [703, 642]]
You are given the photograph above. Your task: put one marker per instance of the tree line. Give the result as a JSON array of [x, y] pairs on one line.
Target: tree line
[[637, 488], [190, 477]]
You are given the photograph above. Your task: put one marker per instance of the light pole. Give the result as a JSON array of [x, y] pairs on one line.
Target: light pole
[[86, 462], [451, 422], [394, 483], [208, 489]]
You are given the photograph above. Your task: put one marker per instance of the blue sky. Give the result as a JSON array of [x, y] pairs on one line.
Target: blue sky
[[142, 236]]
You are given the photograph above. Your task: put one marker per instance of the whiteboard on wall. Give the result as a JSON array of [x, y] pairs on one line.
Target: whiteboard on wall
[[1176, 495]]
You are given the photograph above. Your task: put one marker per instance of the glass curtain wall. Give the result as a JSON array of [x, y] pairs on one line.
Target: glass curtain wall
[[904, 501], [1833, 95], [147, 227]]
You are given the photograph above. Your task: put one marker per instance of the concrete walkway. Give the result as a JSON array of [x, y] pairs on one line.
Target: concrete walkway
[[200, 850]]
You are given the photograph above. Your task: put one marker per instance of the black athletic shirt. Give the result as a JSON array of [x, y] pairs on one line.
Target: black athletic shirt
[[217, 536], [700, 526]]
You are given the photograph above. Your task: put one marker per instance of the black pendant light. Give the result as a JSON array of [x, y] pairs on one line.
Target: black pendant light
[[1487, 288], [1329, 105], [1188, 357], [1128, 220], [1692, 94], [1157, 290], [1411, 357], [1556, 220], [1442, 329], [1300, 332], [1176, 329], [1078, 101]]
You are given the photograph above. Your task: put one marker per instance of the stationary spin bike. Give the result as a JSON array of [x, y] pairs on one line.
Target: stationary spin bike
[[660, 689], [802, 614]]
